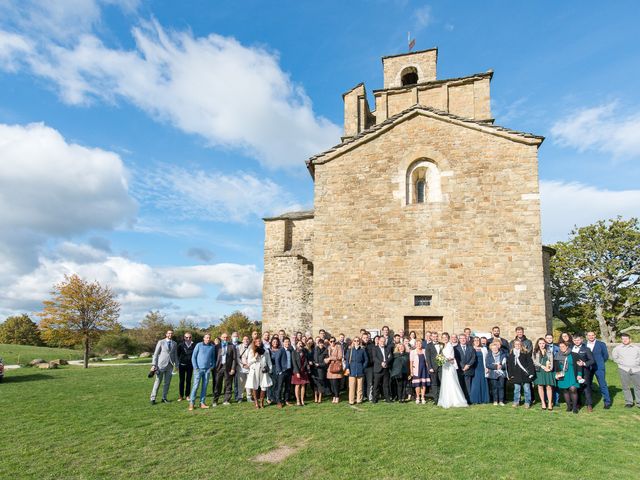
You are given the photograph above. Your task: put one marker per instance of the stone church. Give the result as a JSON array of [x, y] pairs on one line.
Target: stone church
[[426, 217]]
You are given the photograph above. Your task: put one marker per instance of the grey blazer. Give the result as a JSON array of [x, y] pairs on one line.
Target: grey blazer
[[165, 356]]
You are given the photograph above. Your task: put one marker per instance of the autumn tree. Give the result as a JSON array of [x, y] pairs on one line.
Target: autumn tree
[[235, 322], [78, 312], [20, 330], [152, 328], [595, 276]]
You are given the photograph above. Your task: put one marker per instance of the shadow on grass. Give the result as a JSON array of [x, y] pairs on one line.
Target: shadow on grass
[[27, 378]]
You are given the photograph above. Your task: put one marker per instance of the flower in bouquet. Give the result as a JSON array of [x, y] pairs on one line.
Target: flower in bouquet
[[441, 359]]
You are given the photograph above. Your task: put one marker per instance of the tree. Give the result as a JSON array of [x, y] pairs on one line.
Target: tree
[[152, 328], [185, 326], [79, 312], [236, 322], [20, 330], [596, 274], [117, 343]]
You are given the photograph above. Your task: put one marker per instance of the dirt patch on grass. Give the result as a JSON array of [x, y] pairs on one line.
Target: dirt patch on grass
[[277, 455]]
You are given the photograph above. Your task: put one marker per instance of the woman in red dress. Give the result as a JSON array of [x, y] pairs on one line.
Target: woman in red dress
[[300, 376]]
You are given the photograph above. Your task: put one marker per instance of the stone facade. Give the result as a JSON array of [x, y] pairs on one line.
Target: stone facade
[[426, 216]]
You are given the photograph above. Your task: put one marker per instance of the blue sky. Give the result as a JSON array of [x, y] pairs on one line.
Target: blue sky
[[142, 142]]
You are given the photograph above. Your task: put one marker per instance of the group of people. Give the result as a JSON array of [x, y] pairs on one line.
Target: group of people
[[451, 370]]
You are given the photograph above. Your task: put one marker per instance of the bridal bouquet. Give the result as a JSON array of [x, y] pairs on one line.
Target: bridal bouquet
[[441, 359]]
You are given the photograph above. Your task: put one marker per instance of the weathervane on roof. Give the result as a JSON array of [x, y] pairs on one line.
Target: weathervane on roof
[[410, 41]]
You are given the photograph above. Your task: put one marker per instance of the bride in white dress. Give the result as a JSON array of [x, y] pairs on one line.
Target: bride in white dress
[[450, 392]]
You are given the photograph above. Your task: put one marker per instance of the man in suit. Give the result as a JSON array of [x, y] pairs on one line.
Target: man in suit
[[466, 358], [435, 371], [226, 366], [164, 360], [600, 356], [242, 350], [585, 362], [283, 368], [381, 366]]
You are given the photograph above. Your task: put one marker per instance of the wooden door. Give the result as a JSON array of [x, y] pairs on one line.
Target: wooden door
[[422, 324]]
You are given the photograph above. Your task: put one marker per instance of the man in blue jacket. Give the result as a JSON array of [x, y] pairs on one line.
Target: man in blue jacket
[[600, 355], [203, 360]]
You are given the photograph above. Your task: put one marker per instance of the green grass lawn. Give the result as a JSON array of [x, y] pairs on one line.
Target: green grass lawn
[[23, 354], [97, 423]]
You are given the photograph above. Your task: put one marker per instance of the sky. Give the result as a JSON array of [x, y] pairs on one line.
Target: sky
[[142, 142]]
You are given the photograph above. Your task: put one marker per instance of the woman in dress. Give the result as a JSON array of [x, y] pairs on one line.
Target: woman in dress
[[521, 373], [479, 387], [420, 378], [545, 376], [568, 375], [400, 371], [300, 377], [334, 368], [319, 369], [496, 362], [451, 394], [259, 377]]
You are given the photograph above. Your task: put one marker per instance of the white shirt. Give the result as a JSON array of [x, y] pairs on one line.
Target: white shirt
[[590, 345], [575, 349], [384, 355]]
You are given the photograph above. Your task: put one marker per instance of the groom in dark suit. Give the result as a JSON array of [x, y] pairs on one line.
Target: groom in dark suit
[[435, 371], [466, 359]]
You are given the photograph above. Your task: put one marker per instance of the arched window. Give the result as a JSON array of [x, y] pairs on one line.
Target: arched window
[[409, 76], [423, 182]]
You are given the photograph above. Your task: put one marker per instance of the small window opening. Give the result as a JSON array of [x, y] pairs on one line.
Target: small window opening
[[422, 300], [409, 76]]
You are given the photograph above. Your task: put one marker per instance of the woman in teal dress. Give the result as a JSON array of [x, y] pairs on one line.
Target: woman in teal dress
[[545, 375], [568, 375]]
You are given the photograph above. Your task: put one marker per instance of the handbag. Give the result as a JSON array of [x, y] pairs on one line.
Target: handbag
[[335, 367], [346, 370]]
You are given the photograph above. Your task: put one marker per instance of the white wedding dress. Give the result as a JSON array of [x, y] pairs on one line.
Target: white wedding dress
[[450, 392]]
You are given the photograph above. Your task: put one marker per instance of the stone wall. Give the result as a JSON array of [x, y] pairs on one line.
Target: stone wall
[[287, 289], [466, 97], [477, 251], [424, 62]]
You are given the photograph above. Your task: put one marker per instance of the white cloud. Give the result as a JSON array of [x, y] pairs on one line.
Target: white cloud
[[423, 17], [229, 94], [213, 195], [12, 47], [566, 205], [59, 19], [604, 128], [139, 286], [50, 188]]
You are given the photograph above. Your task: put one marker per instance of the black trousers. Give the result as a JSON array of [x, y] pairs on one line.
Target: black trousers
[[222, 376], [335, 386], [185, 372], [283, 386], [465, 384], [381, 378], [585, 389], [400, 384], [434, 389], [368, 383]]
